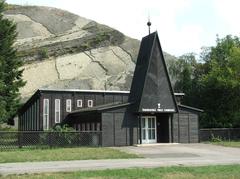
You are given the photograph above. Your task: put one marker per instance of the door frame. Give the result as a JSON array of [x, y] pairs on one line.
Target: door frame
[[146, 130]]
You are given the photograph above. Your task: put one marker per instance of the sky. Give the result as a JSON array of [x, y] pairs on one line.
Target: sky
[[184, 26]]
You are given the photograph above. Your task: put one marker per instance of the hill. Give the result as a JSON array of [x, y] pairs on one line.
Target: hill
[[63, 50]]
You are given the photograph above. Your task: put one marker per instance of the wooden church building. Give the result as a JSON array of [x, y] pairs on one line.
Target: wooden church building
[[149, 113]]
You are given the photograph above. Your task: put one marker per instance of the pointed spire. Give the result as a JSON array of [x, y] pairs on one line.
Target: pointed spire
[[149, 24], [151, 89]]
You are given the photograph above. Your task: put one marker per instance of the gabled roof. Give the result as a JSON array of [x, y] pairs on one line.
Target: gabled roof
[[151, 87], [82, 90]]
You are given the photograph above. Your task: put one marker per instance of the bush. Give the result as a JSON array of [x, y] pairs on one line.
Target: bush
[[43, 53], [58, 136], [215, 139], [64, 128], [6, 127]]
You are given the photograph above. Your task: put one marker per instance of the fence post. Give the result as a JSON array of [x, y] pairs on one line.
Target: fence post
[[100, 139], [49, 139], [19, 140], [229, 136]]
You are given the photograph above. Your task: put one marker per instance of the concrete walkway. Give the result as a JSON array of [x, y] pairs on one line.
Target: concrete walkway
[[157, 156]]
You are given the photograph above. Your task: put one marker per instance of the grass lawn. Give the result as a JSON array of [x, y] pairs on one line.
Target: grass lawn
[[228, 143], [212, 172], [62, 154]]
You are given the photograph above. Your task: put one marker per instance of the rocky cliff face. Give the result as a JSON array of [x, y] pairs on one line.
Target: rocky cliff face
[[63, 50]]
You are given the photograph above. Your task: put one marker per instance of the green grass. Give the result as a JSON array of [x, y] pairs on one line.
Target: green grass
[[212, 172], [227, 143], [62, 154]]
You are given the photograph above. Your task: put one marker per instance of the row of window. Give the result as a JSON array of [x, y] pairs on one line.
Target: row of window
[[94, 126], [58, 110]]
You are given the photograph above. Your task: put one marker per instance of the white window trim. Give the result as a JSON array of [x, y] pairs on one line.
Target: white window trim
[[68, 105], [90, 103], [45, 113], [79, 103], [59, 103]]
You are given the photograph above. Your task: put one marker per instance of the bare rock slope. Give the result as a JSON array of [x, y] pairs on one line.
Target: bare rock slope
[[63, 50]]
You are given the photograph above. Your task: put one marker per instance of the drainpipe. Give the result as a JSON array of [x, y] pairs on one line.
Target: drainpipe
[[140, 128]]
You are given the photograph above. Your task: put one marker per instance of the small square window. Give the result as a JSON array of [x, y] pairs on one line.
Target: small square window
[[90, 103], [79, 103]]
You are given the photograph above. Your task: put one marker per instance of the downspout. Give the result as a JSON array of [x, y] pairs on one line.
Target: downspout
[[140, 128]]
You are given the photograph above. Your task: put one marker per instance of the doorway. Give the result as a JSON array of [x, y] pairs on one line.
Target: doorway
[[148, 129], [163, 128]]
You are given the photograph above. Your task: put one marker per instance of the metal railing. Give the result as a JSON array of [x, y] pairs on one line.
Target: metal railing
[[43, 139]]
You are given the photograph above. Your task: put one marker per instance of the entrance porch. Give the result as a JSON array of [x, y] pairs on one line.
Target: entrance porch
[[155, 128]]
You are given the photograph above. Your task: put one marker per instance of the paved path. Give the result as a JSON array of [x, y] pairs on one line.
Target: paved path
[[184, 155]]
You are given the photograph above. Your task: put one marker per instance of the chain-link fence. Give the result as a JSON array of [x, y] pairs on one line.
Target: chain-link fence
[[40, 139], [219, 133]]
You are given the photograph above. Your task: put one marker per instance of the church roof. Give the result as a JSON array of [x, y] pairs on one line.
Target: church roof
[[100, 108], [151, 87]]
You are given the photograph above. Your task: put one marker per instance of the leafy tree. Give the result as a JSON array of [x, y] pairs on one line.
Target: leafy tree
[[221, 84], [184, 71], [10, 75], [214, 84]]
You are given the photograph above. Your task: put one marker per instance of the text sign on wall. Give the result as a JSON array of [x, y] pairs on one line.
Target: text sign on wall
[[157, 110]]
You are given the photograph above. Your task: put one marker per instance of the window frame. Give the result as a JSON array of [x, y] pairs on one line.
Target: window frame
[[56, 111], [68, 105], [45, 114], [81, 102], [90, 101]]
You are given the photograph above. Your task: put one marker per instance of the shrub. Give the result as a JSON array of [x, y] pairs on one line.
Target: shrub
[[216, 139], [43, 53]]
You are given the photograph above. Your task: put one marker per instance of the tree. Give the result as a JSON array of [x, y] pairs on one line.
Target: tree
[[214, 84], [221, 84], [184, 72], [10, 74]]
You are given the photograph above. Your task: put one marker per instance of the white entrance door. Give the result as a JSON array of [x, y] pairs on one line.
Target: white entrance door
[[148, 129]]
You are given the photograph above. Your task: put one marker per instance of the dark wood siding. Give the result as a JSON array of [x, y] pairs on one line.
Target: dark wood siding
[[125, 98], [185, 127], [118, 97], [41, 113], [107, 129], [194, 129], [108, 98], [31, 118], [99, 99], [119, 128], [175, 129], [28, 119]]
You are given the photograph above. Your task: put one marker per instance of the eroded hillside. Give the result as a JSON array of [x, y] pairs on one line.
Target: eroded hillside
[[63, 50]]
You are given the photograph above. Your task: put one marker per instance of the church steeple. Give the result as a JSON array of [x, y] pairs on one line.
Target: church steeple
[[151, 89]]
